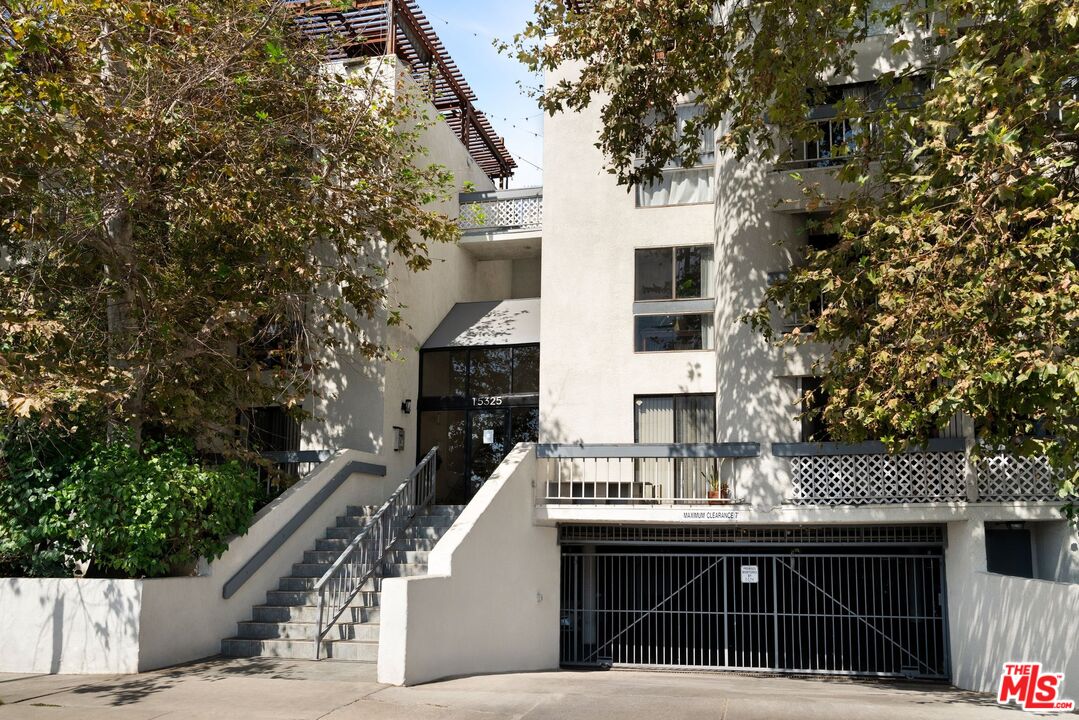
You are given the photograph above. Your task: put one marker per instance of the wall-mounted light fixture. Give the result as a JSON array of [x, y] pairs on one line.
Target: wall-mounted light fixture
[[398, 438], [406, 407]]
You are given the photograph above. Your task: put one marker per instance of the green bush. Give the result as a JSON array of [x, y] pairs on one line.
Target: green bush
[[129, 514], [34, 463]]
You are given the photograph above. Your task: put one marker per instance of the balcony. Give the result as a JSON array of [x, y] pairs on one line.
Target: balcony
[[865, 474], [502, 224], [623, 482], [640, 474]]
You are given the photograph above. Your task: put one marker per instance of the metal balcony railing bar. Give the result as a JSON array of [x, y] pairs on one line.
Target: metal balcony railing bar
[[632, 474]]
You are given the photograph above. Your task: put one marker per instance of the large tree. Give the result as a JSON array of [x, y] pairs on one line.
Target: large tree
[[191, 204], [955, 285]]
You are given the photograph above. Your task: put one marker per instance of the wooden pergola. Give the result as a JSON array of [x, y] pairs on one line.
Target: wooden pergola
[[369, 28]]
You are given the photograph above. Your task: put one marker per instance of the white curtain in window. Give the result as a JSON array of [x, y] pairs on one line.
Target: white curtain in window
[[678, 187], [695, 422], [708, 273], [708, 136], [655, 424]]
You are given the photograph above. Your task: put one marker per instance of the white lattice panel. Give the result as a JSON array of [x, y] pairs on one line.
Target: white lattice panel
[[512, 213], [878, 479], [1010, 477]]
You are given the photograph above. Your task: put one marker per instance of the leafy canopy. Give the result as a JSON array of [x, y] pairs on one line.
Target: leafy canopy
[[955, 285], [191, 203]]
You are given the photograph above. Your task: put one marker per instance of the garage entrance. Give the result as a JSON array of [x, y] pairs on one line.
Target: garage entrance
[[857, 601]]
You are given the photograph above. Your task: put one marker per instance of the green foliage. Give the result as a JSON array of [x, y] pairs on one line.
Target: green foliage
[[955, 287], [155, 513], [66, 499], [192, 206], [34, 464]]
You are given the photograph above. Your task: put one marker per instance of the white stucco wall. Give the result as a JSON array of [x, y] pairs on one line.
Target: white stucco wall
[[994, 619], [126, 626], [490, 601], [589, 371], [357, 402], [69, 626]]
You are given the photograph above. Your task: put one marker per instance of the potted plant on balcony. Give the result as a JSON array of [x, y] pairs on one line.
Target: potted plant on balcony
[[719, 492]]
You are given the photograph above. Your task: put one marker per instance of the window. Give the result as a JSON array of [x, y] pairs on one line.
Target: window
[[669, 286], [676, 419], [679, 185], [664, 333], [673, 273], [814, 399], [795, 320], [456, 374], [1008, 549]]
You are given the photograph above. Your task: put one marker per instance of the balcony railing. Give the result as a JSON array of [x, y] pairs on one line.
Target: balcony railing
[[501, 211], [641, 474], [835, 142], [1009, 478], [865, 474]]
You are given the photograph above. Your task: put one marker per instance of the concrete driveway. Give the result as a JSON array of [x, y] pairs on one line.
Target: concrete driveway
[[303, 690]]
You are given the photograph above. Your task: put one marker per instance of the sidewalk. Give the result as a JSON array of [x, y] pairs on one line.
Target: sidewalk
[[304, 690]]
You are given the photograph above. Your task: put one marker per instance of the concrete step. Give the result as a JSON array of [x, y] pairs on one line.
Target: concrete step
[[353, 650], [315, 570], [434, 521], [418, 531], [406, 555], [293, 584], [403, 569], [336, 546], [308, 597], [454, 510], [352, 521], [251, 630], [309, 614]]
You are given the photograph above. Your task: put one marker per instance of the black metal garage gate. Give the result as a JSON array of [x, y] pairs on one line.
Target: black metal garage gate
[[865, 601]]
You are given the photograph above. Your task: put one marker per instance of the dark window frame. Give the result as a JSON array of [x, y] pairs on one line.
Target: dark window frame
[[705, 292]]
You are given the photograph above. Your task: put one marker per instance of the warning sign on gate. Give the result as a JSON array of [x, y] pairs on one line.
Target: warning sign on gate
[[750, 573]]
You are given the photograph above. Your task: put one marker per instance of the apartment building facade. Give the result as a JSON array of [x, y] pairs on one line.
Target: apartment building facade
[[603, 465]]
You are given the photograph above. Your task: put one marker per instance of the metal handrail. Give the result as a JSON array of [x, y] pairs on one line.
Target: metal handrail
[[363, 557]]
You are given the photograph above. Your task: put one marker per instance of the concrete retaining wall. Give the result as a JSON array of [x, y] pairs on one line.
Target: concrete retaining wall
[[490, 602], [126, 626], [995, 619]]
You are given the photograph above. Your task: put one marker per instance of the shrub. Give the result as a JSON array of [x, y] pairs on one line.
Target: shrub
[[34, 463], [65, 498], [156, 512]]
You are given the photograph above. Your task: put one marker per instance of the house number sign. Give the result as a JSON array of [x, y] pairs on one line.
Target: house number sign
[[487, 401]]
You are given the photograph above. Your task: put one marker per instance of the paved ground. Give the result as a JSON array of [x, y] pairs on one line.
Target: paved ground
[[299, 690]]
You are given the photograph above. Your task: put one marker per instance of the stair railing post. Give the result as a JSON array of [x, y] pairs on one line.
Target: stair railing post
[[318, 632]]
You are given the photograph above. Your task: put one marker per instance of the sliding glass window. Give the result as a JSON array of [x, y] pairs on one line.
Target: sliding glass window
[[672, 286], [666, 333]]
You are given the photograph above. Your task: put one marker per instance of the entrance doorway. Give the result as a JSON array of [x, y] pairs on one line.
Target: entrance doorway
[[476, 404]]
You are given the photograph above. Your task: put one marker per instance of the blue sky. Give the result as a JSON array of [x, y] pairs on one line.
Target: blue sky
[[467, 29]]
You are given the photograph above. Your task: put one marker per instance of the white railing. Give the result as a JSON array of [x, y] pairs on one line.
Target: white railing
[[501, 210], [640, 474], [362, 559], [1006, 478], [864, 474]]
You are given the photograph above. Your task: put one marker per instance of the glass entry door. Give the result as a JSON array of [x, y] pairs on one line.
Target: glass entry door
[[476, 404]]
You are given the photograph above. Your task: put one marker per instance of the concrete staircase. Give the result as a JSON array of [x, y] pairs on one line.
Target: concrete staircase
[[287, 624]]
